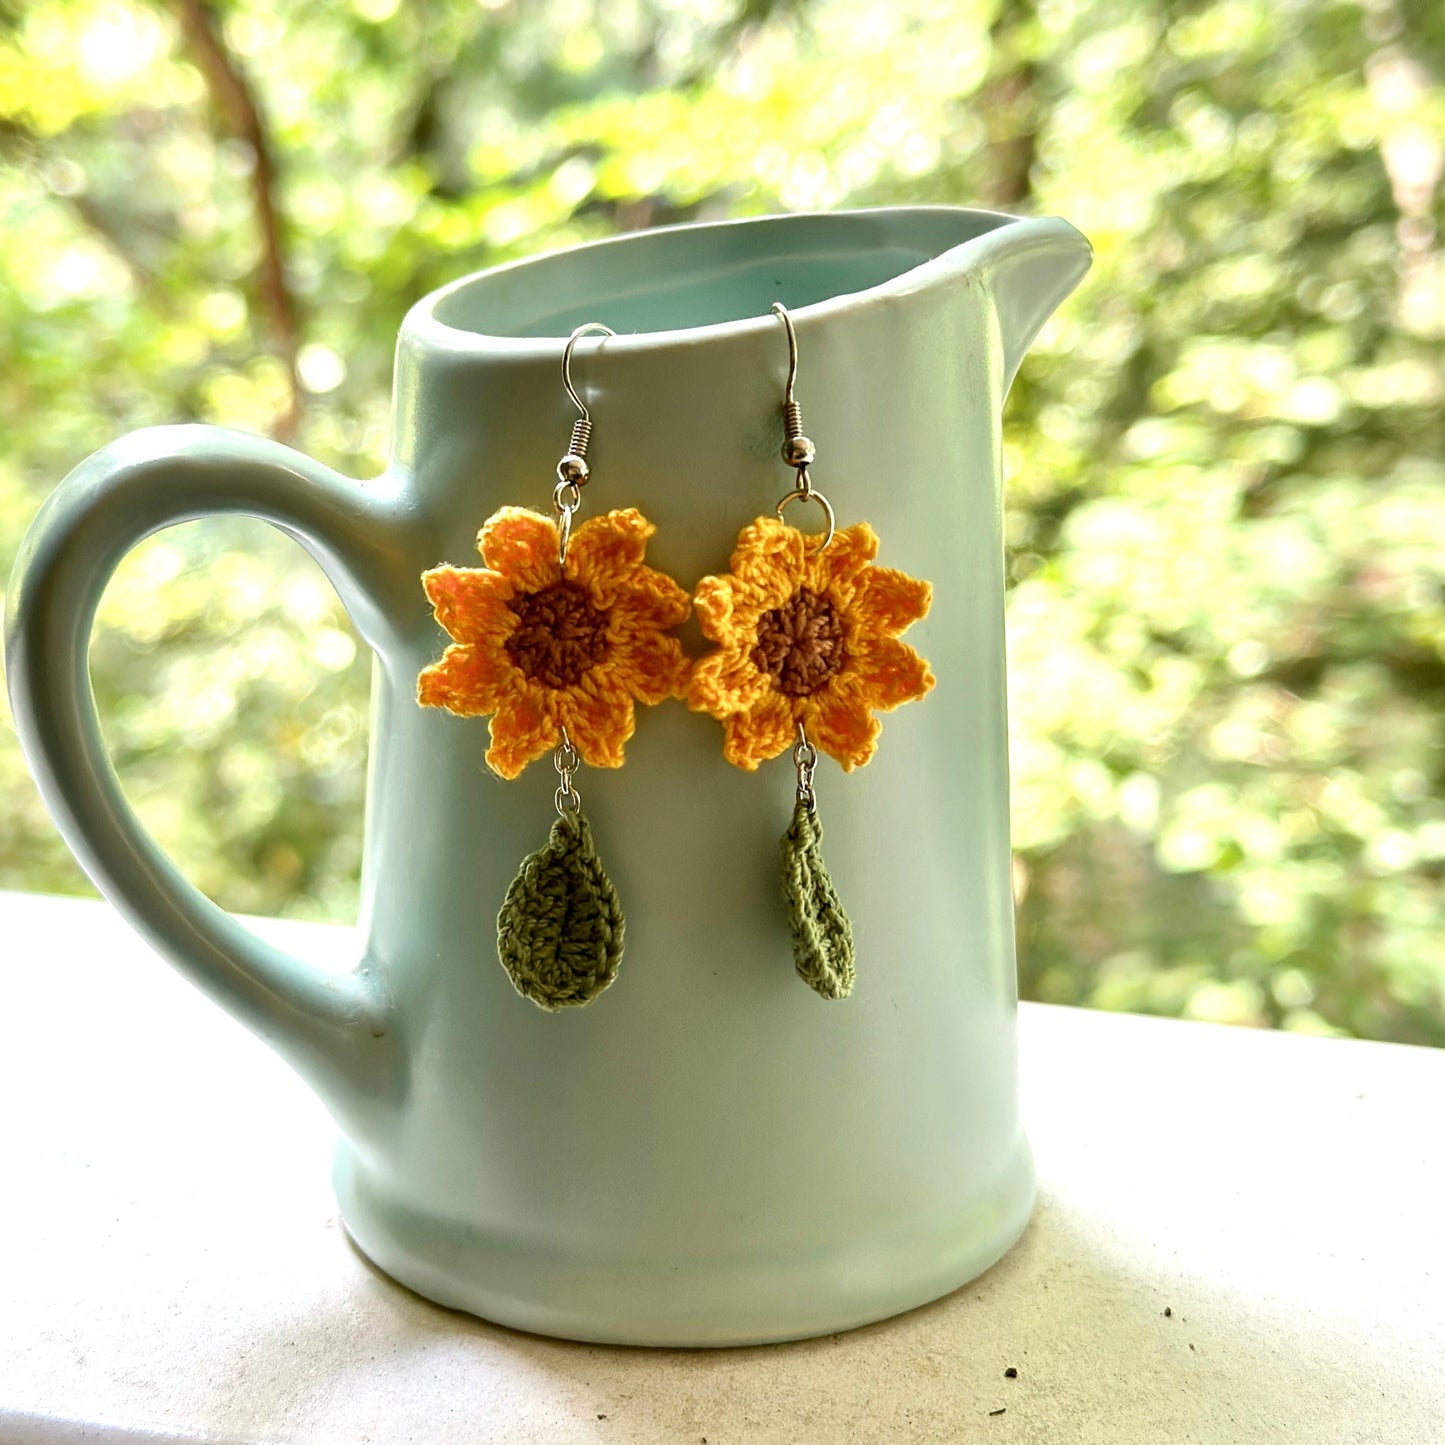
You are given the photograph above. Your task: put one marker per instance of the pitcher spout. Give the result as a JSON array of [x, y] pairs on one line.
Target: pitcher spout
[[1035, 263]]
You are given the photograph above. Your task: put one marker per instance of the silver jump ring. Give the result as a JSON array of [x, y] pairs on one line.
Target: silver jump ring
[[564, 532], [807, 494], [805, 760], [566, 759]]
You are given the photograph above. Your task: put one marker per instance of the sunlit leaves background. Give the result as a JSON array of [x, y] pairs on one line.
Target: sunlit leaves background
[[1226, 496]]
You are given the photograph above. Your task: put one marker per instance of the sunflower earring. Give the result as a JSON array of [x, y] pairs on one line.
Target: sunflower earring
[[557, 638], [807, 633]]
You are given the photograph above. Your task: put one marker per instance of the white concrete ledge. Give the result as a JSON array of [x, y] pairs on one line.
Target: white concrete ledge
[[1238, 1239]]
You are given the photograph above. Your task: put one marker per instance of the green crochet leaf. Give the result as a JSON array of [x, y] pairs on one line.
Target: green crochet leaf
[[822, 935], [559, 934]]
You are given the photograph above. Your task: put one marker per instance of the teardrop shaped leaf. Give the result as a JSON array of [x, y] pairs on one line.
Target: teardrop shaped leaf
[[822, 935], [560, 931]]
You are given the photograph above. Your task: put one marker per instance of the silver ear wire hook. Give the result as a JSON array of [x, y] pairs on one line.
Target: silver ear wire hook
[[572, 470], [586, 329], [780, 310], [798, 450]]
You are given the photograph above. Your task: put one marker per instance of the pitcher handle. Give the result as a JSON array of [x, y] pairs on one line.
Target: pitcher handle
[[335, 1030]]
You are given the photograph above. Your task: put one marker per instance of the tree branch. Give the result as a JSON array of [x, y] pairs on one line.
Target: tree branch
[[241, 114], [1009, 106]]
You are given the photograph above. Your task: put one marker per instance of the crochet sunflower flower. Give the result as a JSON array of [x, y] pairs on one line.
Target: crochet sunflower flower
[[806, 635], [541, 650]]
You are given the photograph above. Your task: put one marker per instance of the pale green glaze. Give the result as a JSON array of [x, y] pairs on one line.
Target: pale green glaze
[[709, 1153]]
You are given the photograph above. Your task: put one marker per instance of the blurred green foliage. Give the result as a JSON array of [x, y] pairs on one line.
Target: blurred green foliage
[[1227, 455]]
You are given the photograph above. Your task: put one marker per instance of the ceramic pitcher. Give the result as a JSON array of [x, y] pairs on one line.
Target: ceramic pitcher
[[709, 1153]]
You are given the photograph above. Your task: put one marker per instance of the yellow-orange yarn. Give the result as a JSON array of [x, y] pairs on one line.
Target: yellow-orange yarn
[[806, 635], [541, 651]]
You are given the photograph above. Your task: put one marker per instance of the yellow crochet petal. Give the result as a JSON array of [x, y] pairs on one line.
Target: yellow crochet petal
[[599, 717], [650, 601], [889, 673], [605, 552], [769, 558], [521, 544], [471, 603], [725, 682], [888, 602], [469, 681], [522, 729], [840, 562], [650, 664], [642, 653], [762, 732], [721, 604], [843, 727]]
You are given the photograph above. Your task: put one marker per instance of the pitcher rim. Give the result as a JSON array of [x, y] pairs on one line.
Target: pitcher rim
[[422, 324]]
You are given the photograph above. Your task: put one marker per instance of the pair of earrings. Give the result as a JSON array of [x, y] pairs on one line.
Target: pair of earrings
[[563, 632]]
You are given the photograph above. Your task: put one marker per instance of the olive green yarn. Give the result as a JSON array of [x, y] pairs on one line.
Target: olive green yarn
[[822, 935], [559, 934]]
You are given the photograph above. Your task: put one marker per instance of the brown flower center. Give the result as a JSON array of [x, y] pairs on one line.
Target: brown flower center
[[800, 644], [560, 636]]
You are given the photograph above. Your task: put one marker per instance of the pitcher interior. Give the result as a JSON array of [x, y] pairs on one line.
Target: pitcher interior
[[693, 276]]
